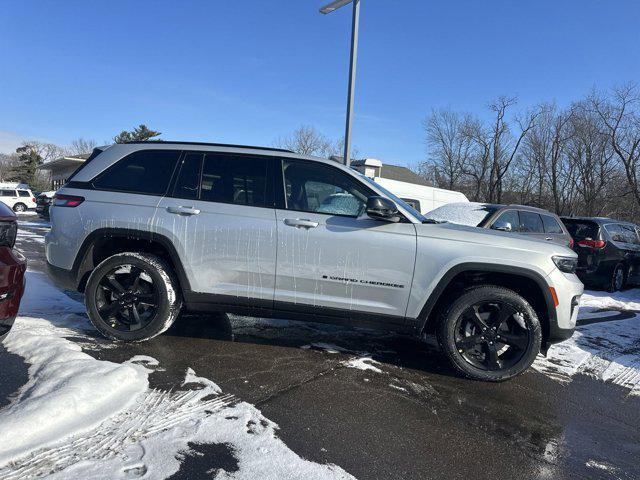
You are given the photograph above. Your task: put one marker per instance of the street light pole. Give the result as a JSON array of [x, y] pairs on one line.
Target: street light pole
[[355, 25]]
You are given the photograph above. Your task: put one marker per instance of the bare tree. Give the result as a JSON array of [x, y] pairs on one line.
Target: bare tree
[[81, 146], [621, 120], [306, 140]]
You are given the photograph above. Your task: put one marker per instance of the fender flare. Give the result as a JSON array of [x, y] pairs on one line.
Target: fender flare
[[83, 262], [446, 279]]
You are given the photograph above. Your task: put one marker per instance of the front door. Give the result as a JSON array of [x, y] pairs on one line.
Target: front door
[[221, 220], [330, 254]]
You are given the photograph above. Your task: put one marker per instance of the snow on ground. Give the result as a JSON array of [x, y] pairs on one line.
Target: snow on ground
[[606, 346], [79, 417], [26, 234]]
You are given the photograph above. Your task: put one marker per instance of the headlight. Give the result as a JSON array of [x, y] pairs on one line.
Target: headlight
[[566, 264]]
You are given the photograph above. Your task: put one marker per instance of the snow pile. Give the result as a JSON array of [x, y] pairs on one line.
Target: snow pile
[[608, 350], [362, 363], [463, 213], [68, 391], [79, 417]]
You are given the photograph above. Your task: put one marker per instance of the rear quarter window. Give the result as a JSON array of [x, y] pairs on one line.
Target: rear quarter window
[[23, 193], [145, 171]]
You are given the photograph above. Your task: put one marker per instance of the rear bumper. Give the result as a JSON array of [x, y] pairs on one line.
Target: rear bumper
[[12, 283], [63, 278]]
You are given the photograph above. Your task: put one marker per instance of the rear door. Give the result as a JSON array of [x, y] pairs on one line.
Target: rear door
[[331, 254], [554, 231], [220, 215]]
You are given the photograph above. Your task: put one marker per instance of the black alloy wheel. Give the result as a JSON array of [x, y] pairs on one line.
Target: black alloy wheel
[[127, 298], [492, 335]]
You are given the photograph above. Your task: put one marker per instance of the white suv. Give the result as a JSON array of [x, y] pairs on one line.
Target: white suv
[[148, 229], [18, 199]]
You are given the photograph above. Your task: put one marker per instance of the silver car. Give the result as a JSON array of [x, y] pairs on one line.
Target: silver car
[[149, 229]]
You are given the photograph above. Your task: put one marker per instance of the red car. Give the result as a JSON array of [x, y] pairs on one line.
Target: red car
[[12, 268]]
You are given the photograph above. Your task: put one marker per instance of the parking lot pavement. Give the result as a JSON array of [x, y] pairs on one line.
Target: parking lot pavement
[[378, 405]]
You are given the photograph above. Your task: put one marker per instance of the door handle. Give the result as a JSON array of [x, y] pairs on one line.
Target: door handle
[[300, 223], [183, 210]]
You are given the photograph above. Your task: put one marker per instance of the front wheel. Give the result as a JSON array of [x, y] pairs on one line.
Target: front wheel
[[132, 297], [490, 333]]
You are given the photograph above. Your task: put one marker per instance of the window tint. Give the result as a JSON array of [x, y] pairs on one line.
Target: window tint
[[510, 217], [188, 182], [23, 193], [629, 234], [8, 193], [581, 230], [146, 171], [530, 222], [551, 225], [615, 232], [319, 188], [234, 179]]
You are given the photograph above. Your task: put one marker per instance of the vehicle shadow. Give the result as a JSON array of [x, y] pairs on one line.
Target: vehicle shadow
[[390, 348]]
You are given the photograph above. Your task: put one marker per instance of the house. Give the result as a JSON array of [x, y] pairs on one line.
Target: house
[[60, 169]]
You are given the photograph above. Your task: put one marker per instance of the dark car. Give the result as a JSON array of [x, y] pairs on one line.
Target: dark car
[[608, 251], [521, 219], [12, 268], [43, 202]]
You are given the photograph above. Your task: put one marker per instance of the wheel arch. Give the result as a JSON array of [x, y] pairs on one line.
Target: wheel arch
[[105, 242], [529, 284]]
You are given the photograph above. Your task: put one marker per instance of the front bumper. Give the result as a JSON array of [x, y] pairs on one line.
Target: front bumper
[[568, 289], [12, 283]]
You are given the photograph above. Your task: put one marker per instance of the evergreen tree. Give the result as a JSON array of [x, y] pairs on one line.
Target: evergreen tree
[[139, 134], [24, 170]]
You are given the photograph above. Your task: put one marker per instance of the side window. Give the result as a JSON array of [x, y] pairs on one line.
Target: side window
[[629, 235], [318, 188], [145, 171], [188, 182], [508, 219], [235, 179], [615, 232], [551, 225], [23, 193], [7, 193], [530, 222]]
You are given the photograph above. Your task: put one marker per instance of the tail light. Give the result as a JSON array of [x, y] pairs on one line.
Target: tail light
[[33, 199], [67, 201], [8, 231], [571, 243], [598, 244]]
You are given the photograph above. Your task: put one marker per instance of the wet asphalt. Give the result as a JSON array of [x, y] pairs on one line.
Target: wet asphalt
[[414, 420]]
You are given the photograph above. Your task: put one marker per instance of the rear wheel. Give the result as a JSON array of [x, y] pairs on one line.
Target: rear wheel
[[490, 333], [618, 278], [19, 207], [132, 297]]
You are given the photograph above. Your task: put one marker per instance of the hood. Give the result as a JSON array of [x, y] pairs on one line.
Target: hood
[[476, 236]]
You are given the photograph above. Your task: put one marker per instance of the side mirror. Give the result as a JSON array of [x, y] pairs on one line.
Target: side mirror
[[381, 208], [502, 226]]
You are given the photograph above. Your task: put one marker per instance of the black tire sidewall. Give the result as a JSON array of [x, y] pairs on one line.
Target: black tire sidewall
[[152, 266], [19, 207], [612, 280], [447, 325]]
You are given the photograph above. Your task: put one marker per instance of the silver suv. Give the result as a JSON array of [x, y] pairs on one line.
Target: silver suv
[[146, 230]]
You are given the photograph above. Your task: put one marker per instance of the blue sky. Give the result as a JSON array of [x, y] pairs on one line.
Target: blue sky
[[250, 71]]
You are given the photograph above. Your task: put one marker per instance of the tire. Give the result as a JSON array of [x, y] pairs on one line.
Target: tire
[[19, 207], [497, 353], [123, 308], [618, 278]]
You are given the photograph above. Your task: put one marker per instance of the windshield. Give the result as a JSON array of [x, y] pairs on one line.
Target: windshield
[[399, 201], [466, 213]]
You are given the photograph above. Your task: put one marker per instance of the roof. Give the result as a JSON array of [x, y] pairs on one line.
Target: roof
[[230, 145], [599, 220], [392, 172], [64, 162]]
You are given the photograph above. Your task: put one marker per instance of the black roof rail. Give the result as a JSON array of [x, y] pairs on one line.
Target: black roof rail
[[229, 145]]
